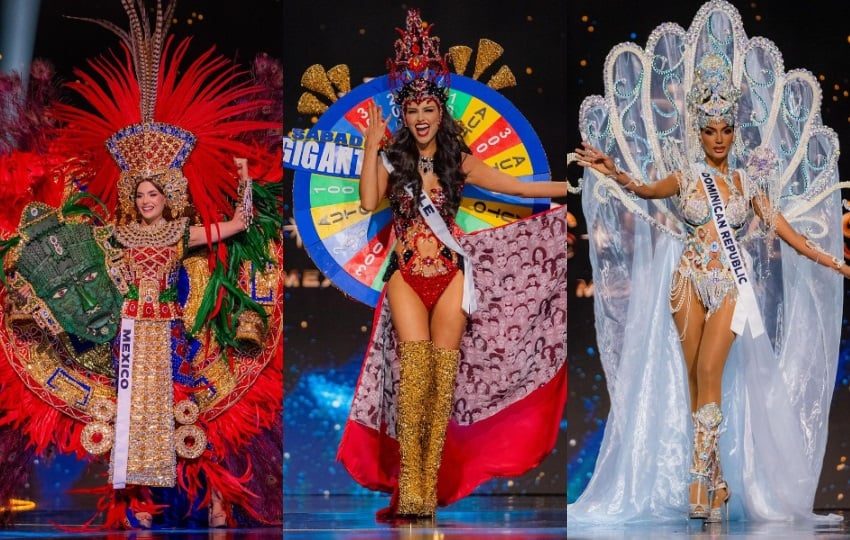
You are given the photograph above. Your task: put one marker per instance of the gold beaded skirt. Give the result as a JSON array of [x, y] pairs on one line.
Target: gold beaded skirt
[[151, 459]]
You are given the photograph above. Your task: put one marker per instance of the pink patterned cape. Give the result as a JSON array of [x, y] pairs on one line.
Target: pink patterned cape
[[511, 385]]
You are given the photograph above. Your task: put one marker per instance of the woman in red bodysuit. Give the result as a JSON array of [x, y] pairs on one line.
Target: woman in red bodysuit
[[425, 277]]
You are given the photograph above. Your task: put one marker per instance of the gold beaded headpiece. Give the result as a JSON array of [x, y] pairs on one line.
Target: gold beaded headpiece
[[154, 152], [163, 117]]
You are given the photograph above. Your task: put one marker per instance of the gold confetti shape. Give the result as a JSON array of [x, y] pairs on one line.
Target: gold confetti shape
[[340, 78], [316, 79], [460, 57], [310, 104], [488, 52], [503, 78]]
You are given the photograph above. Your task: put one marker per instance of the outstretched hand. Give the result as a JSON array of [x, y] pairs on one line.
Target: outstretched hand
[[845, 270], [588, 156], [377, 126]]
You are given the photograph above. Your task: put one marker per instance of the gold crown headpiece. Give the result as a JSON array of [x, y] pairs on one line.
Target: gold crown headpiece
[[155, 152]]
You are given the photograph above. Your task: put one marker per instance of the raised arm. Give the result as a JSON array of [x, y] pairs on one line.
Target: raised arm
[[218, 231], [596, 160], [482, 175], [373, 175], [799, 242]]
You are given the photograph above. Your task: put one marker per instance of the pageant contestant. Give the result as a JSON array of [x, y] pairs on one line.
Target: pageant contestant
[[709, 351], [151, 356], [436, 435]]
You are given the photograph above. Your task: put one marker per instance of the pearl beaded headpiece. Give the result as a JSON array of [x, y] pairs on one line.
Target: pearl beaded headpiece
[[713, 97]]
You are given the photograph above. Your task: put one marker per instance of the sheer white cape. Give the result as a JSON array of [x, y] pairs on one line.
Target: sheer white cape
[[776, 388]]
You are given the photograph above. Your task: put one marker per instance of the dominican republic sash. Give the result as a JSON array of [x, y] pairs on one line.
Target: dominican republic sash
[[746, 308], [124, 377]]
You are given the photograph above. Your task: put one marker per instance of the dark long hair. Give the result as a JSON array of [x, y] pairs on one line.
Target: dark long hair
[[404, 157]]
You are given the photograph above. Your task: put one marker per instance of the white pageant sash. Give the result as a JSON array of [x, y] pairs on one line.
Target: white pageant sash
[[440, 229], [746, 308], [124, 378]]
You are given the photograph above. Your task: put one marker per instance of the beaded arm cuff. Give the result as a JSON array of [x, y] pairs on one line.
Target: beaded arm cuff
[[632, 179], [814, 246]]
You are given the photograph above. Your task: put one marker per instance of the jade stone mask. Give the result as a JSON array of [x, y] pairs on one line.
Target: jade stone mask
[[66, 268]]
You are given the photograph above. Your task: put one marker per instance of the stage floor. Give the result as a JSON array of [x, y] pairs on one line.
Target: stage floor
[[733, 529], [475, 518], [41, 525], [46, 531]]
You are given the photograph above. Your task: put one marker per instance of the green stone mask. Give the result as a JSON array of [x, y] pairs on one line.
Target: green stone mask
[[67, 270]]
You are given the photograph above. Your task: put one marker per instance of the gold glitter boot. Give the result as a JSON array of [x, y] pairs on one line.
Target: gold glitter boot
[[445, 373], [414, 362]]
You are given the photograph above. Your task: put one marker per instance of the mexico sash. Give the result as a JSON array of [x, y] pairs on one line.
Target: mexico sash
[[124, 377]]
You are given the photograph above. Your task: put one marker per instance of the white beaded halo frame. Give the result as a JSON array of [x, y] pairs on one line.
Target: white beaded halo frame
[[644, 109]]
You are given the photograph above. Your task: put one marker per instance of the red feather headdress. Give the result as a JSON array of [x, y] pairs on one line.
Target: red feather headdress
[[151, 117]]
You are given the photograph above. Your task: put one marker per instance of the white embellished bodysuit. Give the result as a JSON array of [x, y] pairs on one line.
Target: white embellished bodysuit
[[704, 265]]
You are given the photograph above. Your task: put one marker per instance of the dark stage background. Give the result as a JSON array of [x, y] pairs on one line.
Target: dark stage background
[[239, 35], [326, 333], [810, 35]]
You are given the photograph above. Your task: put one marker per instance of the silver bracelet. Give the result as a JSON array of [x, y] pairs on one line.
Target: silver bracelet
[[814, 246], [634, 180], [613, 176]]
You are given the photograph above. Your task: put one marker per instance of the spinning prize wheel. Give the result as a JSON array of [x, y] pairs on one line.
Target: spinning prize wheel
[[351, 246]]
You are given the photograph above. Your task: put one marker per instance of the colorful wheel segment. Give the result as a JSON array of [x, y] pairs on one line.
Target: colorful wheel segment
[[349, 245]]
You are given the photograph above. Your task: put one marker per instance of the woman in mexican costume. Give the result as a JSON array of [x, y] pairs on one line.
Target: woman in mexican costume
[[187, 390], [736, 156], [431, 411]]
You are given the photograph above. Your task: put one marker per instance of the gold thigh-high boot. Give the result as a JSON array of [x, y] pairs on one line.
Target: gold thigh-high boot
[[445, 373], [706, 465], [415, 379]]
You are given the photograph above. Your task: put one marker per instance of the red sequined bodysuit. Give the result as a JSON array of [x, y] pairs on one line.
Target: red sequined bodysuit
[[425, 263]]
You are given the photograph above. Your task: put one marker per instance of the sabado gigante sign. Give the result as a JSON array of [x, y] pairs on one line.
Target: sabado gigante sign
[[326, 152]]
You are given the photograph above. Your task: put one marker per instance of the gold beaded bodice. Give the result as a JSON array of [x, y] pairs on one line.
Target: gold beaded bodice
[[152, 255]]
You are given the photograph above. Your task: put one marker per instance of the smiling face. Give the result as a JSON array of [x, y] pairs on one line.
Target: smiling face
[[150, 202], [716, 139], [423, 120]]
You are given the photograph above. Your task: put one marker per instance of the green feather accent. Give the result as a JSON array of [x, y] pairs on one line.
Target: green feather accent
[[251, 246], [74, 206]]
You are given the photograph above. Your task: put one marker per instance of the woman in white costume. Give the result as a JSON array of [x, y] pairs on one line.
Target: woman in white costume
[[722, 355]]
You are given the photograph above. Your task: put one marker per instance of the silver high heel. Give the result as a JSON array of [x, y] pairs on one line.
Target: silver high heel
[[715, 514], [706, 463], [699, 509]]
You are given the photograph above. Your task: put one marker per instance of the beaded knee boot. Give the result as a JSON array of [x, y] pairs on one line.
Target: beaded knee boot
[[706, 462], [414, 363], [719, 490], [445, 374]]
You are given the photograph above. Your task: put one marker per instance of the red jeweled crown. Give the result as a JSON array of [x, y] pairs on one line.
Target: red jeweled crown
[[419, 71]]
